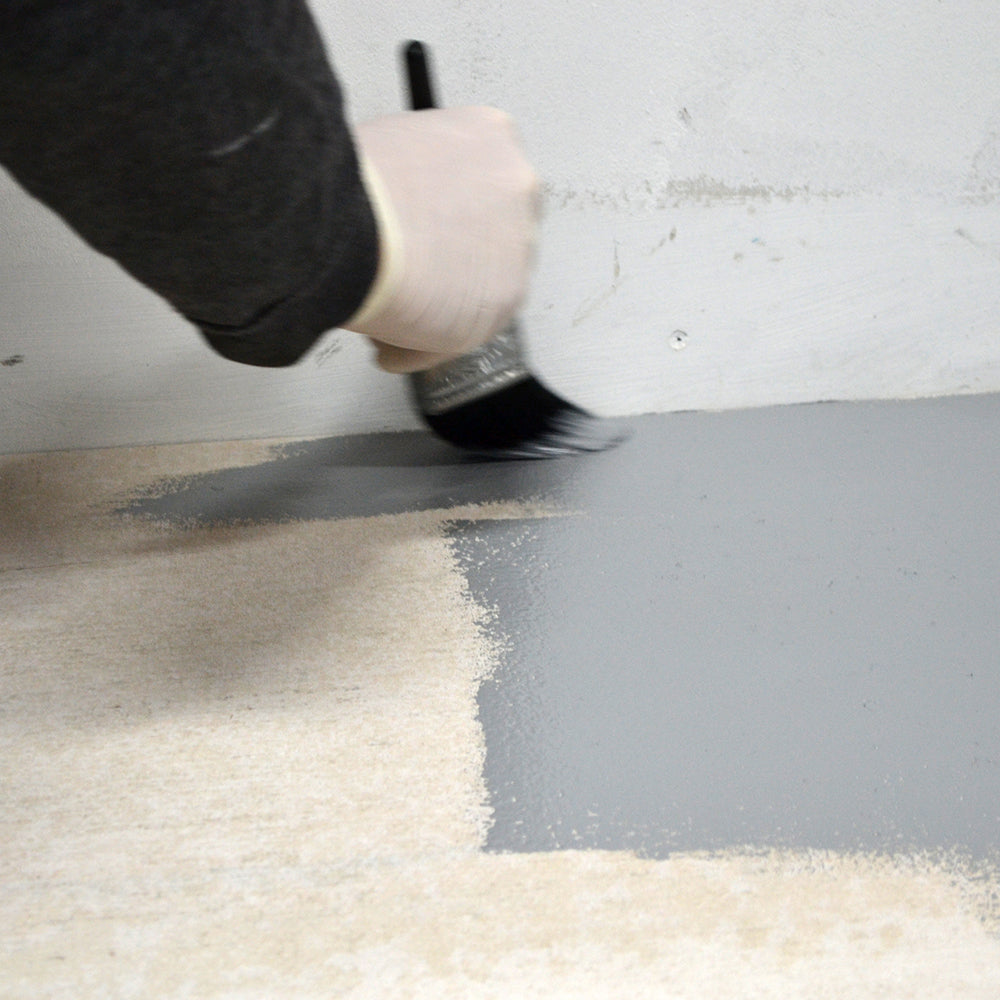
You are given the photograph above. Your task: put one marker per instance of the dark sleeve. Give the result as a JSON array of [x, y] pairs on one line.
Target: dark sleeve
[[202, 145]]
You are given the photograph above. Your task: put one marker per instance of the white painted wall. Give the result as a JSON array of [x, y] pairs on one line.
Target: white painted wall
[[809, 192]]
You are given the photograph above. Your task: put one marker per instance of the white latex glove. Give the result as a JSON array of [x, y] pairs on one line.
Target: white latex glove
[[457, 206]]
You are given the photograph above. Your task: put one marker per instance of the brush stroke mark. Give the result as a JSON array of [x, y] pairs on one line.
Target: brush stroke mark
[[359, 476]]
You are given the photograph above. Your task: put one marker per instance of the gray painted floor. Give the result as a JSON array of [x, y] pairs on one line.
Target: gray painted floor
[[775, 627]]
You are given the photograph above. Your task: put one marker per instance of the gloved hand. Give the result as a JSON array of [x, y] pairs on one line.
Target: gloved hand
[[457, 206]]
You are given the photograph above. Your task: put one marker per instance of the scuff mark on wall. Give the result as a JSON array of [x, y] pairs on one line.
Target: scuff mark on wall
[[982, 186], [703, 190], [588, 307], [987, 248]]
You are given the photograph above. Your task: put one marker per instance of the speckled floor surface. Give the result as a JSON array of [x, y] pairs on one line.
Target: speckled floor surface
[[712, 714]]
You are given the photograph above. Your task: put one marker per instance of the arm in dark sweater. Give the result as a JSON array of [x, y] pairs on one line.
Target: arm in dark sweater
[[202, 145]]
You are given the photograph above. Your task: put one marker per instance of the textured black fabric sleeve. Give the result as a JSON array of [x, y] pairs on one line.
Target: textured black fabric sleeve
[[202, 145]]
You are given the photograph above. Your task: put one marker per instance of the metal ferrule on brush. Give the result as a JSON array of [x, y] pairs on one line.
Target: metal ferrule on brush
[[499, 363]]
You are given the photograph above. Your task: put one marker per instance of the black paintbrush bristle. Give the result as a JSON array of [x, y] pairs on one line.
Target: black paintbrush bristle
[[524, 420]]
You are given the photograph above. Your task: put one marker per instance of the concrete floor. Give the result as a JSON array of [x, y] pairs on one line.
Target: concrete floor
[[710, 714]]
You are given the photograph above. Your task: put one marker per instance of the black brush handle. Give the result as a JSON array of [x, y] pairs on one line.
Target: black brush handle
[[418, 76]]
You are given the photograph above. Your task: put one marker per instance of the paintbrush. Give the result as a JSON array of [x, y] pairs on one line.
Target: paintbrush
[[488, 402]]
